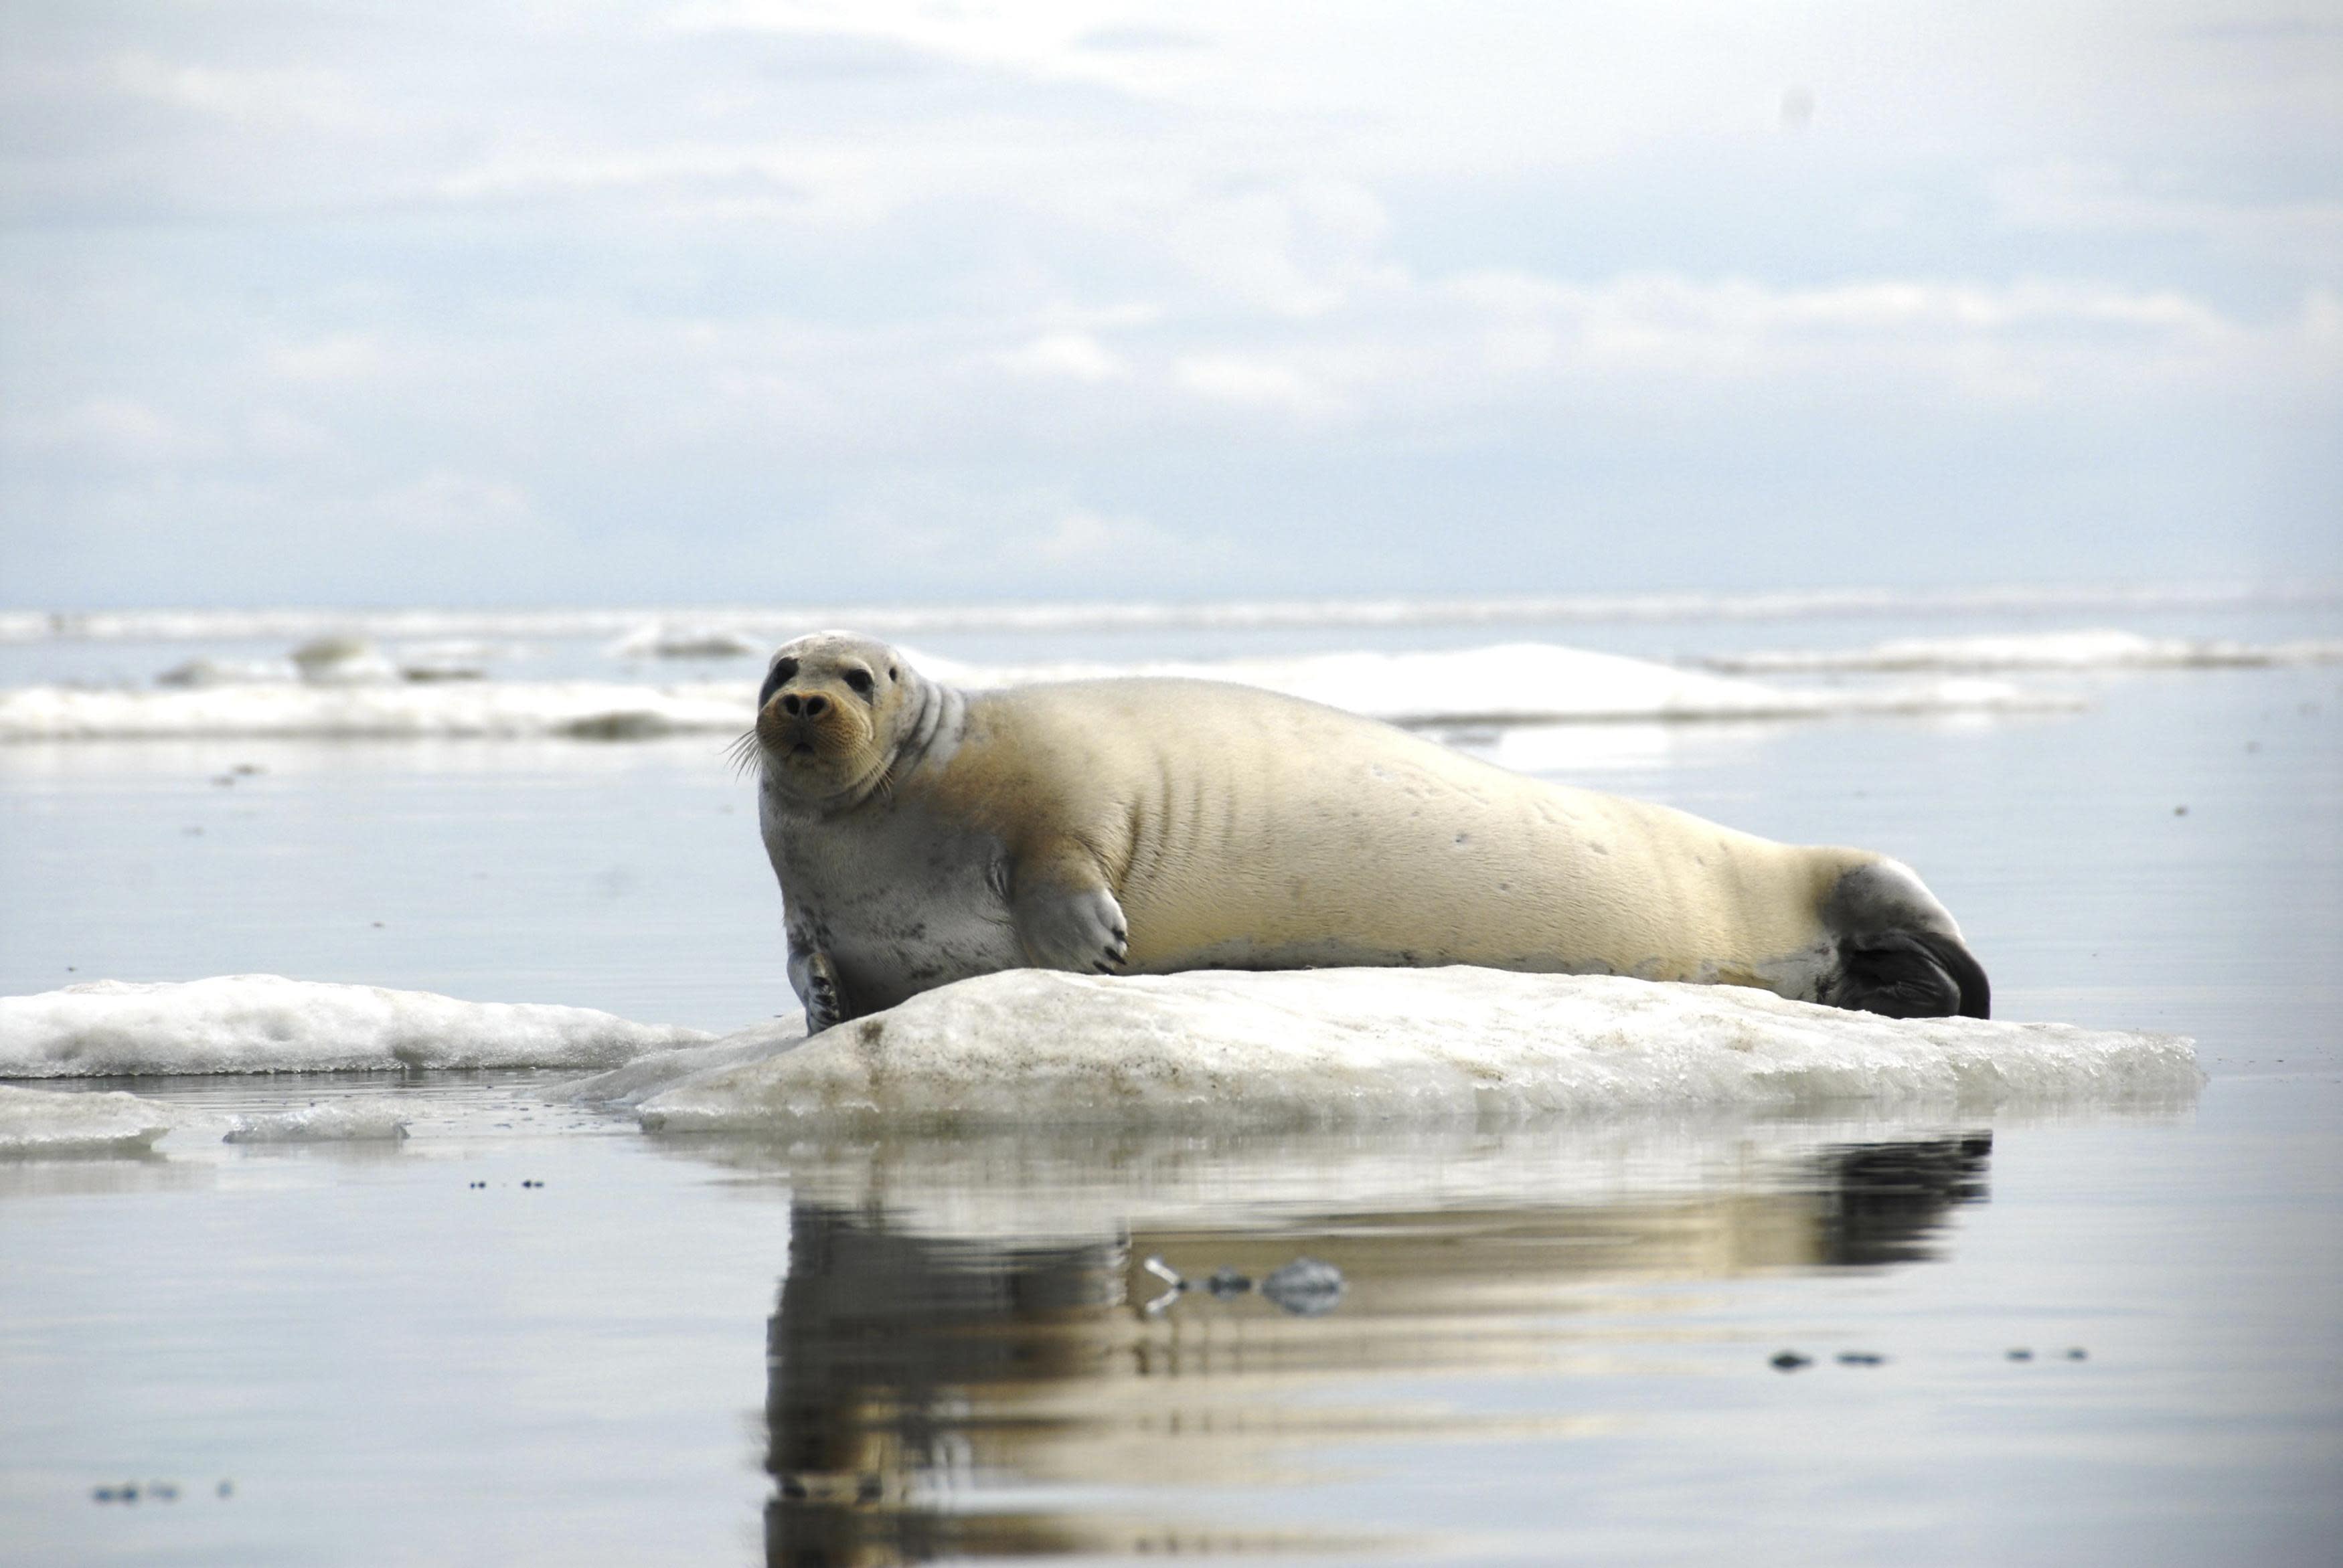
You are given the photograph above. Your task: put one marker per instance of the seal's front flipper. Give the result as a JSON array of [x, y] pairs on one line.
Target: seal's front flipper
[[1067, 918], [1910, 974], [816, 980]]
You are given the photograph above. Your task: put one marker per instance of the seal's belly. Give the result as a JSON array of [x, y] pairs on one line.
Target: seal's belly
[[899, 911]]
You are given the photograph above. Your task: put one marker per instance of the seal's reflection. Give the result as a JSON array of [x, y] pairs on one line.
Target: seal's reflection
[[933, 1356]]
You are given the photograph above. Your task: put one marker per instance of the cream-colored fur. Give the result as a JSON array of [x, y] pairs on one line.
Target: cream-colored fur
[[921, 835]]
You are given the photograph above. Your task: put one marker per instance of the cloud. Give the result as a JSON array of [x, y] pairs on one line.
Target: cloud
[[1024, 295], [2098, 199], [1068, 355]]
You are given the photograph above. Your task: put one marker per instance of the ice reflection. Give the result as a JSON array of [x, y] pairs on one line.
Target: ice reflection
[[961, 1363]]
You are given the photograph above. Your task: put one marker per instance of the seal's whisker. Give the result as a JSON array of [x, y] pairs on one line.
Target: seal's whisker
[[742, 754]]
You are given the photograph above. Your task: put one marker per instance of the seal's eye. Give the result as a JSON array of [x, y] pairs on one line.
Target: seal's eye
[[894, 674], [860, 680], [781, 675]]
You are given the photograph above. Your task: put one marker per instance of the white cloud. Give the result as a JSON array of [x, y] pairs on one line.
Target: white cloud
[[1082, 538], [449, 504], [1068, 355], [2100, 200], [1252, 381], [296, 100], [340, 357], [110, 428]]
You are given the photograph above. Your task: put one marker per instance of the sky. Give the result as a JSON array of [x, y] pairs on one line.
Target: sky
[[550, 301]]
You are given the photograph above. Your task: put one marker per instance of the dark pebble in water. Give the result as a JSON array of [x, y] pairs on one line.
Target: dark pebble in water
[[1790, 1360], [1860, 1358], [226, 1489], [164, 1490], [2078, 1353], [1228, 1283], [2021, 1355], [2180, 810], [1304, 1287]]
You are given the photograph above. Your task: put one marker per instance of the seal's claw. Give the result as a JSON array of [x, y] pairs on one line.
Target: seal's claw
[[1078, 930], [825, 1000]]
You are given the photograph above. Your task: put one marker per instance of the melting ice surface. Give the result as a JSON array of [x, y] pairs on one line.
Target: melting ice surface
[[1344, 1047], [325, 1121], [41, 1122], [265, 1023], [1510, 683], [1310, 1048]]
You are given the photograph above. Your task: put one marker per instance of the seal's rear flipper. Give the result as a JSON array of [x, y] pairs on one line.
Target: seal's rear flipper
[[1911, 974]]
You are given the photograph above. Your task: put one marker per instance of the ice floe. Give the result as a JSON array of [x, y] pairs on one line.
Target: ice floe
[[44, 1121], [777, 623], [1527, 683], [668, 640], [1517, 683], [2048, 650], [433, 709], [1339, 1047], [265, 1023], [324, 1121], [656, 1071]]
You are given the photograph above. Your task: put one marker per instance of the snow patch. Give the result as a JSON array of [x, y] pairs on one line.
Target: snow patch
[[1341, 1047], [265, 1023], [44, 1121]]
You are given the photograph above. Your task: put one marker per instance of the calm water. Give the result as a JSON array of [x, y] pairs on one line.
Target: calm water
[[1553, 1343]]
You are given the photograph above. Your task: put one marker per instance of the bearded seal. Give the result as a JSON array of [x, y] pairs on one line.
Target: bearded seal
[[923, 835]]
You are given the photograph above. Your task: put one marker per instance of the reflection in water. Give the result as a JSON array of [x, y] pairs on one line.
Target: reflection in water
[[955, 1351]]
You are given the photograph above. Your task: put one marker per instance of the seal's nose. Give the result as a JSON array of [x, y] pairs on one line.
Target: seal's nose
[[811, 706]]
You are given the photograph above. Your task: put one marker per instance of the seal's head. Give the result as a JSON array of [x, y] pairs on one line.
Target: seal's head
[[832, 717]]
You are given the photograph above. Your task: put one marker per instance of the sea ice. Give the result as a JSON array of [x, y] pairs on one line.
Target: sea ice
[[1514, 683], [325, 1121], [44, 1121], [671, 639], [1336, 1047], [265, 1023], [401, 710], [648, 1074], [1525, 683], [2063, 651]]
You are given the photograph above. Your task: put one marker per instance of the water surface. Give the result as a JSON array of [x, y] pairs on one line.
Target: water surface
[[1554, 1341]]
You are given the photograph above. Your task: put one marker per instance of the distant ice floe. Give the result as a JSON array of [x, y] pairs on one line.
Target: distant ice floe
[[668, 640], [2049, 651], [1516, 683], [44, 1122], [1331, 1047], [265, 1023], [325, 1121], [471, 709], [1528, 683], [337, 661], [777, 623]]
